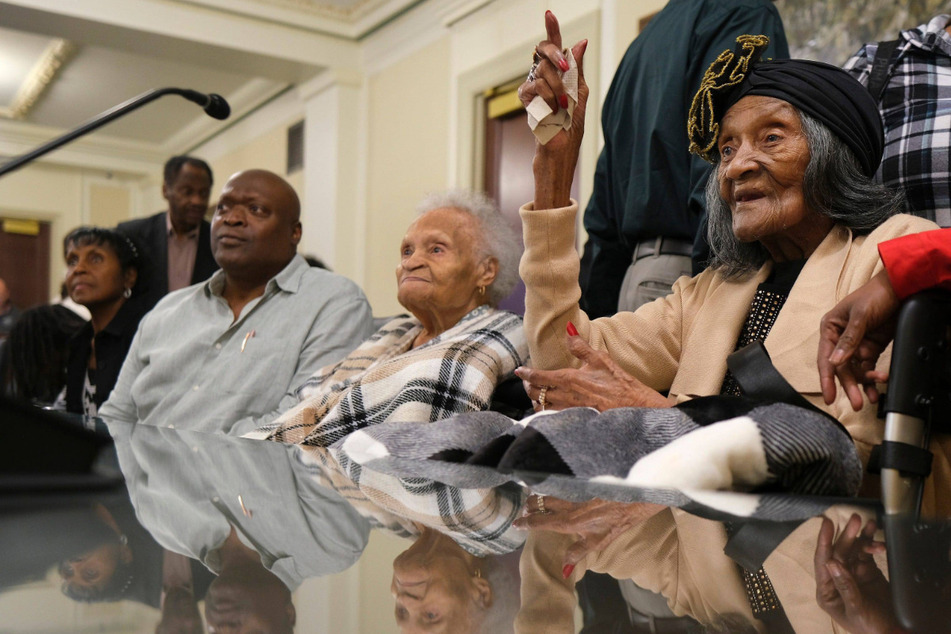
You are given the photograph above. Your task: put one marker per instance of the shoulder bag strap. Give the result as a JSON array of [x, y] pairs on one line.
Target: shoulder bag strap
[[881, 68]]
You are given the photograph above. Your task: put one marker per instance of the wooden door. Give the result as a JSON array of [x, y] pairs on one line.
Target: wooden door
[[509, 149], [25, 260]]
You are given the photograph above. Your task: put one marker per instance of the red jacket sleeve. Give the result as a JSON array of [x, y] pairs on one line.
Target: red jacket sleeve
[[918, 261]]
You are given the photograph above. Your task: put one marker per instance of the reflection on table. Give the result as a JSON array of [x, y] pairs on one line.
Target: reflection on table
[[210, 532]]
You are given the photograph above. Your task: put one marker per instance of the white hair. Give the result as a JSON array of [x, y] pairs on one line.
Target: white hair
[[496, 239]]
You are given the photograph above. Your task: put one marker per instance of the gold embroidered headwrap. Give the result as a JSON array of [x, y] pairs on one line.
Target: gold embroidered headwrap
[[729, 69], [824, 92]]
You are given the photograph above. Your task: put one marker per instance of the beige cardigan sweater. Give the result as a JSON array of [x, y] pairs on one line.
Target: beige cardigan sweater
[[680, 343]]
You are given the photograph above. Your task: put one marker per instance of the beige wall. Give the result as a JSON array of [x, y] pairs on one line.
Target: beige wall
[[408, 128], [268, 151], [376, 573], [109, 203]]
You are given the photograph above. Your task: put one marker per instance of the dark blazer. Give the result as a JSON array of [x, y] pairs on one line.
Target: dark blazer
[[151, 236], [112, 345]]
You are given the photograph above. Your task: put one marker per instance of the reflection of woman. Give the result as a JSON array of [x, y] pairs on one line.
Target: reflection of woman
[[101, 271], [104, 555], [104, 572], [794, 219], [457, 261], [108, 556], [438, 586]]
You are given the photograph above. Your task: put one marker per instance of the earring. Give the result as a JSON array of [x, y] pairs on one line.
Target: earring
[[127, 293], [123, 540], [481, 290], [478, 573]]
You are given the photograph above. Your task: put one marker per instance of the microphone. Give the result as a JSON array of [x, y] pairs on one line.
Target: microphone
[[214, 105]]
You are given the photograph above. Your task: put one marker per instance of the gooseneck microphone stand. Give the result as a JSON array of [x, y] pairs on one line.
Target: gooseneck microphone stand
[[214, 105]]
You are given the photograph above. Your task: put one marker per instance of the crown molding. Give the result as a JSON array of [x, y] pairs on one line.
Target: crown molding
[[185, 29], [411, 32], [456, 11], [352, 23], [329, 79], [96, 152], [57, 53]]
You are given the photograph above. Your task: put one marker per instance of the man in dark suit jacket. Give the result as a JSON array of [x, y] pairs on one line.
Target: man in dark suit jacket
[[175, 243]]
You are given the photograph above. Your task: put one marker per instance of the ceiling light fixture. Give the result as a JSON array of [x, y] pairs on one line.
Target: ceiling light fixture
[[43, 72]]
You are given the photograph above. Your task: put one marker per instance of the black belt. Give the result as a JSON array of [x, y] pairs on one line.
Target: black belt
[[662, 246], [644, 624]]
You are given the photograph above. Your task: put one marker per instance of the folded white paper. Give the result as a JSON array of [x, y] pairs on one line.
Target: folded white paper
[[544, 123]]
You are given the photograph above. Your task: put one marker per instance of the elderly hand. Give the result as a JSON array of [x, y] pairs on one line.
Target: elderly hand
[[599, 383], [852, 336], [597, 523], [555, 162], [849, 586]]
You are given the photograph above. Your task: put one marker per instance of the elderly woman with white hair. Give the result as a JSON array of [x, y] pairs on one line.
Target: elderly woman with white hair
[[458, 259]]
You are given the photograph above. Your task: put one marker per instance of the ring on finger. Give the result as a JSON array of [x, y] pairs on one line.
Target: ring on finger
[[531, 72], [540, 504], [541, 396]]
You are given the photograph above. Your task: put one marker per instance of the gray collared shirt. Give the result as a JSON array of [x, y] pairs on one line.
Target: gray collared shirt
[[190, 489], [193, 365]]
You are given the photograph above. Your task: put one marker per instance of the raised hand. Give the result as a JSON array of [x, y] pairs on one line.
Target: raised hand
[[555, 162]]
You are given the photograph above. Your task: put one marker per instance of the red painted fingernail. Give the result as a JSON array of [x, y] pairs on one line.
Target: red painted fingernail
[[548, 13], [563, 65], [563, 101], [572, 330], [567, 570]]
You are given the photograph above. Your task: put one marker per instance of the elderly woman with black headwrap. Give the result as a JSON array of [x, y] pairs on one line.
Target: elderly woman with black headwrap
[[794, 220]]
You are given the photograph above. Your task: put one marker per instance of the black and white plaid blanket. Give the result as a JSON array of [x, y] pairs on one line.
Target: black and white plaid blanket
[[387, 380]]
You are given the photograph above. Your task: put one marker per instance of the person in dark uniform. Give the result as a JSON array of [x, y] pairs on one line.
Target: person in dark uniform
[[646, 216]]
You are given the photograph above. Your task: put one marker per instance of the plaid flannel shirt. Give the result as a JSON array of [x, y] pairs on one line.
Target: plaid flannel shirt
[[916, 107]]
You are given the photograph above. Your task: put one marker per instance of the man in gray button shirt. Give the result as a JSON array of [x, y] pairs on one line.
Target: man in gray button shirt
[[227, 354]]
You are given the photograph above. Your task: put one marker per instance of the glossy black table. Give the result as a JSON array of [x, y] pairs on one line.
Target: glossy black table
[[142, 529]]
